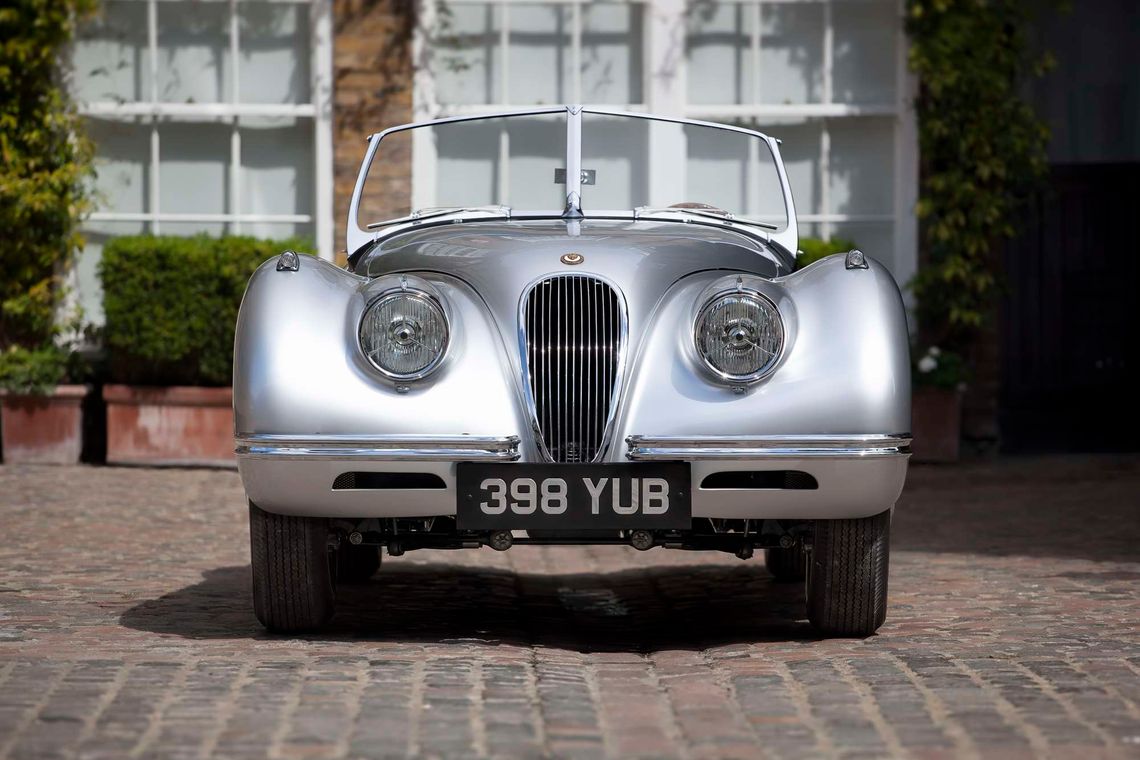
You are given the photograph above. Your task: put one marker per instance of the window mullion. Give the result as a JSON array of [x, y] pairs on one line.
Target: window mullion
[[828, 52], [825, 132], [152, 48], [576, 51], [757, 19], [504, 51], [235, 132]]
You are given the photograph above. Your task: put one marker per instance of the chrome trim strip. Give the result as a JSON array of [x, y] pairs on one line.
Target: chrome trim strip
[[450, 448], [644, 448]]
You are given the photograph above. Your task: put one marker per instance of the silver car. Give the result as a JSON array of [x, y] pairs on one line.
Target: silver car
[[572, 326]]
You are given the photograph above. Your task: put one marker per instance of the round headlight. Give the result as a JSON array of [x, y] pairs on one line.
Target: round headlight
[[404, 334], [739, 335]]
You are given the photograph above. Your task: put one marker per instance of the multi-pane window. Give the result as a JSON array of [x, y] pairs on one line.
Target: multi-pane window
[[826, 77], [208, 116], [507, 53]]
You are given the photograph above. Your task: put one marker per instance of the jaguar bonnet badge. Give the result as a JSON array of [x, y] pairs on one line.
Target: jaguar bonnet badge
[[572, 258]]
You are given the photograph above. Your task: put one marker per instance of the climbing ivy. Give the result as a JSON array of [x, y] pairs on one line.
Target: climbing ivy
[[982, 150], [44, 164]]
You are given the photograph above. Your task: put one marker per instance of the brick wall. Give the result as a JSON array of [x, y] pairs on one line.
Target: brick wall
[[372, 65]]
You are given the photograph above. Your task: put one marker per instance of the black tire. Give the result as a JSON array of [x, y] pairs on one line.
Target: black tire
[[292, 577], [786, 565], [847, 575], [356, 564]]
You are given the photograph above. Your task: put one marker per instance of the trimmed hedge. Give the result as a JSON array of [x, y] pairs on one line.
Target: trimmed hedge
[[171, 304]]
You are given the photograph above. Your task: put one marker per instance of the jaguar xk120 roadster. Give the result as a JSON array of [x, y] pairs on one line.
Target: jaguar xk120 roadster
[[572, 326]]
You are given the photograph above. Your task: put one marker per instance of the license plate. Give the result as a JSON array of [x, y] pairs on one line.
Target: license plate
[[646, 495]]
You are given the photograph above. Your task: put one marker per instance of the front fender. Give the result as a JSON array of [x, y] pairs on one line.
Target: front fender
[[298, 369], [845, 368]]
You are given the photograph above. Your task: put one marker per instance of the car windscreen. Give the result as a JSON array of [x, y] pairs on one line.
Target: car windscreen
[[632, 161], [503, 160]]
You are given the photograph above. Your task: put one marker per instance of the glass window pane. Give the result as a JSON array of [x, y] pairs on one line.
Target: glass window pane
[[537, 147], [617, 150], [791, 53], [110, 54], [277, 166], [465, 58], [122, 165], [865, 36], [194, 52], [540, 58], [719, 49], [732, 171], [611, 53], [862, 166], [274, 48], [800, 150], [193, 168], [500, 160], [652, 162]]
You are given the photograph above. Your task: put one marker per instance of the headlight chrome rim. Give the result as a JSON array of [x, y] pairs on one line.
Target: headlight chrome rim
[[434, 304], [765, 369]]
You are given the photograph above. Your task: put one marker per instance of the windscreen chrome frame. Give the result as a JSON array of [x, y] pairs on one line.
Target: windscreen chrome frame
[[357, 236]]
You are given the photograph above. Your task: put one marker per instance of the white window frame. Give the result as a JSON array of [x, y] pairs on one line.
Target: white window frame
[[319, 109], [664, 89], [425, 102], [905, 131]]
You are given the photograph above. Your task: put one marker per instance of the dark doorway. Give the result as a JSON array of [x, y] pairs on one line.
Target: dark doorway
[[1071, 318]]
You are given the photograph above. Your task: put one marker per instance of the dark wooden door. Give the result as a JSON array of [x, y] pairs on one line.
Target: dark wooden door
[[1071, 316]]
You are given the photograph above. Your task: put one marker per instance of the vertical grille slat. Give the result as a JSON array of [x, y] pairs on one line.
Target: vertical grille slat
[[573, 345]]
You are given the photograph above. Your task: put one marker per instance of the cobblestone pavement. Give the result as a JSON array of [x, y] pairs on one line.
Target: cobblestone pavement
[[126, 630]]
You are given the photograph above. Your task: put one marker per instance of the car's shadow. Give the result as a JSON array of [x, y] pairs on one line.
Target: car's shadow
[[637, 610]]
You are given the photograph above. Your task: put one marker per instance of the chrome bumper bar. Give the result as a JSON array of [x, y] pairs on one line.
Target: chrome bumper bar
[[647, 448], [449, 448]]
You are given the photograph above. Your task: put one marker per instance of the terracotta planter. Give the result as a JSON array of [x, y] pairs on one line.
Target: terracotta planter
[[936, 421], [169, 426], [43, 429]]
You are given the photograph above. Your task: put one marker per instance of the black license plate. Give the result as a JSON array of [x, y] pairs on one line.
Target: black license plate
[[645, 495]]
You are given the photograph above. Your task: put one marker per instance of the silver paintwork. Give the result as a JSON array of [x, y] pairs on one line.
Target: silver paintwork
[[308, 405]]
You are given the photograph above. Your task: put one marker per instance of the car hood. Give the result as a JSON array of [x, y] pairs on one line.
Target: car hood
[[499, 260]]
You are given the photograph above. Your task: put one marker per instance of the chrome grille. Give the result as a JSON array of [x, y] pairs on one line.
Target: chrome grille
[[573, 334]]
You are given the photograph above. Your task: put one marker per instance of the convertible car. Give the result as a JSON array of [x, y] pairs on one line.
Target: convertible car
[[572, 326]]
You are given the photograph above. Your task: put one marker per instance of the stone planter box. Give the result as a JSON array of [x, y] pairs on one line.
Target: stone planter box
[[936, 422], [170, 426], [43, 429]]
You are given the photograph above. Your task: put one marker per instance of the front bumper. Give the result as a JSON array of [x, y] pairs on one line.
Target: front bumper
[[856, 476]]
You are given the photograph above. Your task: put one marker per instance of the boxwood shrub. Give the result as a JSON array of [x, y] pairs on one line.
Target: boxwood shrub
[[171, 304]]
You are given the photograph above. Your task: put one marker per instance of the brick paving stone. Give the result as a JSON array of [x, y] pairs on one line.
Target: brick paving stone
[[126, 631]]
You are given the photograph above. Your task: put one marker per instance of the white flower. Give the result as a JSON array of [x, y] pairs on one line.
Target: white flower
[[935, 351], [927, 364]]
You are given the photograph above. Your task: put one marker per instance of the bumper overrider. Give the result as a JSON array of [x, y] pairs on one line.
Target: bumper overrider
[[821, 476]]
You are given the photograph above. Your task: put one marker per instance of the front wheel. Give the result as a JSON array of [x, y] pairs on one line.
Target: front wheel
[[292, 575], [847, 575]]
